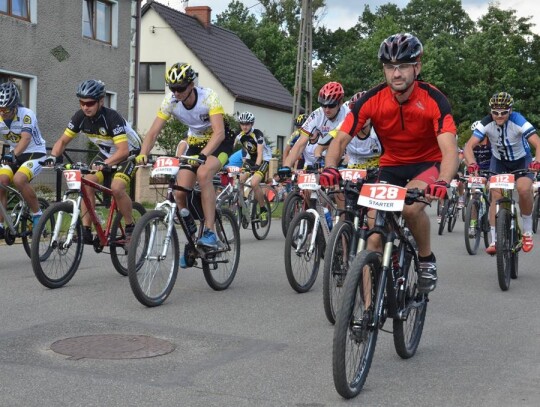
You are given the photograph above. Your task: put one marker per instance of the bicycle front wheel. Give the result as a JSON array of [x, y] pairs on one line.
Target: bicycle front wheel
[[26, 227], [54, 260], [409, 324], [260, 221], [291, 207], [220, 268], [301, 260], [473, 227], [336, 265], [504, 249], [355, 334], [444, 215], [153, 258], [118, 244], [536, 212], [452, 214]]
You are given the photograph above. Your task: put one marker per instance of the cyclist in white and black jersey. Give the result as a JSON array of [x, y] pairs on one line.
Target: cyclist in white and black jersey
[[19, 129], [257, 160], [116, 141], [200, 109], [510, 136], [324, 119]]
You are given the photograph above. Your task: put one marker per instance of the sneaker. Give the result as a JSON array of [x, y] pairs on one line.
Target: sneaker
[[264, 217], [461, 202], [209, 239], [491, 249], [35, 221], [128, 232], [527, 242], [427, 276], [87, 235]]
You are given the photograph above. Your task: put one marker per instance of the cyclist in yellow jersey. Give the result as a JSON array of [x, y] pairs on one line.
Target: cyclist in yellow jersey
[[200, 109]]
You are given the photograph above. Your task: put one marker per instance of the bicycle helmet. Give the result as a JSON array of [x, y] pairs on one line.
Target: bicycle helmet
[[91, 89], [9, 95], [403, 47], [473, 126], [357, 96], [330, 93], [246, 117], [180, 73], [501, 100], [300, 120]]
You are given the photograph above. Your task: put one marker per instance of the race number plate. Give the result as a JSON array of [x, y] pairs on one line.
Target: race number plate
[[233, 170], [476, 182], [73, 179], [308, 181], [384, 197], [504, 181], [352, 174], [165, 166]]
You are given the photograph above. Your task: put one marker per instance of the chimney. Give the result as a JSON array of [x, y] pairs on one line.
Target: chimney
[[201, 13]]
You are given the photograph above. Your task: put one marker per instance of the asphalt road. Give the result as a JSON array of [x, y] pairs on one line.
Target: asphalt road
[[259, 343]]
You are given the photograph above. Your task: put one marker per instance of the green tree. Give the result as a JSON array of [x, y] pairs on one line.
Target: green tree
[[173, 132]]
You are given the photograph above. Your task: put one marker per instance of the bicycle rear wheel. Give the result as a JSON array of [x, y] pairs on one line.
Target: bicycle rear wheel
[[452, 214], [355, 335], [152, 270], [301, 263], [272, 196], [473, 227], [291, 207], [444, 215], [118, 244], [259, 231], [504, 249], [27, 226], [408, 326], [54, 262], [337, 254], [220, 268]]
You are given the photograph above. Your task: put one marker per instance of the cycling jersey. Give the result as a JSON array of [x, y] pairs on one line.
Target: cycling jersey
[[509, 141], [250, 143], [482, 155], [106, 129], [362, 151], [197, 118], [408, 131], [294, 137], [309, 153], [24, 121], [318, 121]]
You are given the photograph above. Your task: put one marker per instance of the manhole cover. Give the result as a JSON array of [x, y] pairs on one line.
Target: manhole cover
[[112, 346]]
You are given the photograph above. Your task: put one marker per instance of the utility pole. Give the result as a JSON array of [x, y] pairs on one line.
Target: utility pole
[[303, 83]]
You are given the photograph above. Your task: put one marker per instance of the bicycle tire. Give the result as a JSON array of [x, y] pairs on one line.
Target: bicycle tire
[[407, 333], [301, 266], [337, 253], [503, 248], [119, 249], [444, 216], [354, 332], [272, 196], [50, 258], [152, 281], [219, 273], [291, 207], [536, 212], [260, 232], [472, 243], [452, 214], [486, 229], [514, 258], [27, 226]]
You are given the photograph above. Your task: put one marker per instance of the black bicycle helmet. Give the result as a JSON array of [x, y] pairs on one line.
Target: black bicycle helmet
[[91, 89], [9, 95], [403, 47]]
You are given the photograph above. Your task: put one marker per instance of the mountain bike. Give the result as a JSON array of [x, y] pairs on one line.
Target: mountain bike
[[477, 214], [507, 228], [308, 233], [153, 259], [342, 245], [450, 210], [18, 218], [240, 199], [57, 253], [379, 286]]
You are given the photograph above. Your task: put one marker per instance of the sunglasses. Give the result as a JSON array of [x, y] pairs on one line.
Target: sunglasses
[[5, 110], [400, 67], [329, 105], [178, 88], [90, 103], [500, 113]]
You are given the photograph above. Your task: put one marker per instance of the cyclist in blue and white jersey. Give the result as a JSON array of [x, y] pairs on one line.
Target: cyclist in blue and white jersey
[[510, 135], [19, 129]]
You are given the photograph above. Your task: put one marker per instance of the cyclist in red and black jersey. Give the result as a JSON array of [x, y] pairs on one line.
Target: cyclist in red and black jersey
[[414, 122]]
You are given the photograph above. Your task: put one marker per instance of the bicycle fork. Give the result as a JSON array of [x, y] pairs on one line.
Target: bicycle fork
[[169, 210], [72, 226]]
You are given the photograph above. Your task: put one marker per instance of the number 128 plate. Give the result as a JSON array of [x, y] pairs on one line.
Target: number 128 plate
[[385, 197]]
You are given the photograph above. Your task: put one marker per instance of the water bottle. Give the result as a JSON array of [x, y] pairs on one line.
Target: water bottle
[[189, 221], [328, 217]]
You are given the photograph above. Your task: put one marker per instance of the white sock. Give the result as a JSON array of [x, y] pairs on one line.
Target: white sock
[[38, 213], [493, 235], [527, 223]]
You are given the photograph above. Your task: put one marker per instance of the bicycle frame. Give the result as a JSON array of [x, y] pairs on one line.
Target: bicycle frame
[[12, 225]]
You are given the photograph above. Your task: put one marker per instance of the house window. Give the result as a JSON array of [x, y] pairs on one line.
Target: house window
[[22, 83], [15, 8], [151, 76], [98, 18]]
